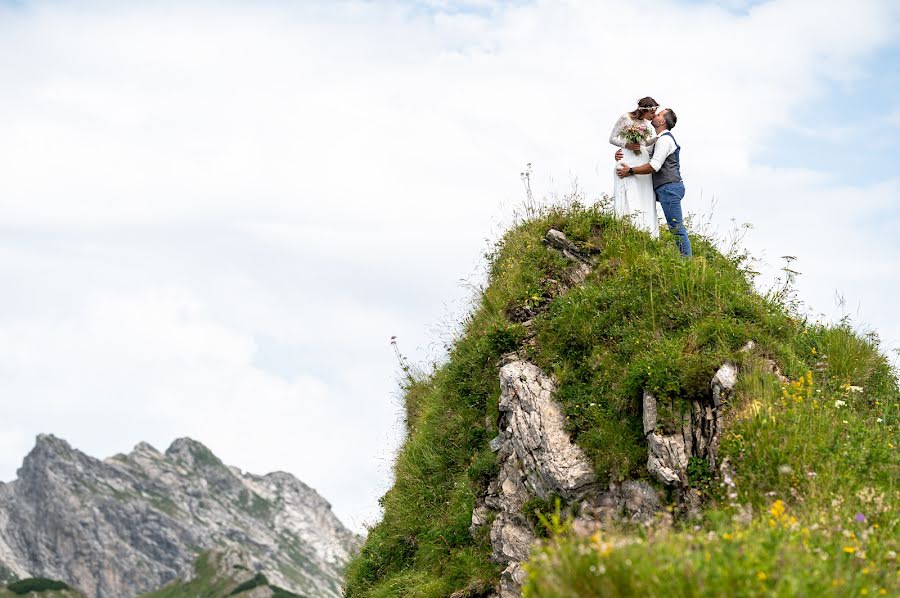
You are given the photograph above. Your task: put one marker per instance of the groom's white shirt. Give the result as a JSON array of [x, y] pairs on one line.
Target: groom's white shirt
[[664, 147]]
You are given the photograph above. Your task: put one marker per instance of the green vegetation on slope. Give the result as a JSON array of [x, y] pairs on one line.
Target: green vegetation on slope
[[210, 582], [816, 512], [644, 319], [34, 586]]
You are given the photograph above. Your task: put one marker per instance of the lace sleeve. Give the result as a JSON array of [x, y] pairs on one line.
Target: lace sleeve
[[614, 137], [653, 138]]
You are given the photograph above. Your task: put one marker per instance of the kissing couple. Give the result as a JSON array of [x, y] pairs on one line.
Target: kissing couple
[[648, 170]]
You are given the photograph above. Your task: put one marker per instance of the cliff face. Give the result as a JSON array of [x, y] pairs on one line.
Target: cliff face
[[134, 522]]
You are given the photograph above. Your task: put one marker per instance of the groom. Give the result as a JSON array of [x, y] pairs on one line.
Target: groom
[[667, 184]]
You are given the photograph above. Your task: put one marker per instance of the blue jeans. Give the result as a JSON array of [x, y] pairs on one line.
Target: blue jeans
[[669, 197]]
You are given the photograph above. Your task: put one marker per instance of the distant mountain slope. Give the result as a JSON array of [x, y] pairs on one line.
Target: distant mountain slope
[[216, 574], [135, 522], [42, 588]]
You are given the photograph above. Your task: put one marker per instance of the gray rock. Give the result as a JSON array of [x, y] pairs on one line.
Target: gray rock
[[534, 426], [649, 413], [723, 383], [539, 460], [667, 460], [511, 581], [132, 523], [582, 262]]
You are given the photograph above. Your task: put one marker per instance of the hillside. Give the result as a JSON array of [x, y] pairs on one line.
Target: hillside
[[218, 574], [135, 522], [713, 441]]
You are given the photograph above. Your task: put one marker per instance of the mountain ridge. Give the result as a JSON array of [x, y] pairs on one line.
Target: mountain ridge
[[132, 522]]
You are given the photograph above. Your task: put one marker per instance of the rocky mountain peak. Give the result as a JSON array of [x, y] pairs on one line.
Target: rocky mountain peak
[[192, 453], [134, 522]]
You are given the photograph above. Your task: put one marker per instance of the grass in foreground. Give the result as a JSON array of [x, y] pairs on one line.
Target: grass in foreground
[[816, 506]]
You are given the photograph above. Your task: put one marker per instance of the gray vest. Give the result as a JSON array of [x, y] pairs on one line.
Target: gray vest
[[670, 171]]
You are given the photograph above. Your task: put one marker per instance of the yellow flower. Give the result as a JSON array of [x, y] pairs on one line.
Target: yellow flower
[[761, 576], [849, 549], [727, 536], [864, 592], [777, 509], [865, 571], [882, 592]]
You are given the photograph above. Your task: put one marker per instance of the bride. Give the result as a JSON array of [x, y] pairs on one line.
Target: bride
[[633, 195]]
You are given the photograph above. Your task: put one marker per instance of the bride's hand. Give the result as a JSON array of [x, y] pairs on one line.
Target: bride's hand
[[635, 147], [619, 155]]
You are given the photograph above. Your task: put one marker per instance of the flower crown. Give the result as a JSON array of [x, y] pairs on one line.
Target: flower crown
[[646, 108]]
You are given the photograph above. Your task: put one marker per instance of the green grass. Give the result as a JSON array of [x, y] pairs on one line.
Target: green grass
[[644, 319], [210, 583], [39, 586], [818, 468]]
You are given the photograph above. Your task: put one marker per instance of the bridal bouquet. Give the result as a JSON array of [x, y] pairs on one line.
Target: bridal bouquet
[[635, 134]]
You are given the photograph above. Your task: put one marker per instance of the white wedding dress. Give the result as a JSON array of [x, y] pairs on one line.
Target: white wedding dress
[[633, 195]]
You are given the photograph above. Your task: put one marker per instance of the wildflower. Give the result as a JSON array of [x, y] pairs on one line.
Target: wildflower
[[882, 592], [849, 549], [777, 509], [860, 518], [879, 420], [785, 469], [761, 576], [839, 403], [856, 389], [864, 592], [865, 571], [727, 536]]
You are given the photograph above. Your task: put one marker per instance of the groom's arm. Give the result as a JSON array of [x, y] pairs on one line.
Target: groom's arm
[[663, 148], [625, 171]]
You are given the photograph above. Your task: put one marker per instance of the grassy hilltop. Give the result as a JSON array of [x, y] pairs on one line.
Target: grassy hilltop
[[815, 457]]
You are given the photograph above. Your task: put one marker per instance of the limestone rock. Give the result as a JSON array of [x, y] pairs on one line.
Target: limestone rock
[[649, 413], [539, 460], [667, 459], [583, 263], [535, 427], [723, 383]]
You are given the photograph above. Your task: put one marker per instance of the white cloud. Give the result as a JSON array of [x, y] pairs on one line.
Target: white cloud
[[218, 213]]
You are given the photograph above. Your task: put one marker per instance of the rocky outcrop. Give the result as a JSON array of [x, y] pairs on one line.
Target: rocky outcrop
[[690, 430], [538, 460], [134, 522]]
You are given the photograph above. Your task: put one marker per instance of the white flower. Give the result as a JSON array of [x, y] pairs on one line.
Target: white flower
[[839, 403], [879, 420], [855, 388]]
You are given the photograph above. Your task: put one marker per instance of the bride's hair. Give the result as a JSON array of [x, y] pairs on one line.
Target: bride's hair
[[644, 105]]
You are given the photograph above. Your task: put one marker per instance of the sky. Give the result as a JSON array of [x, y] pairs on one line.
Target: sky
[[215, 215]]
